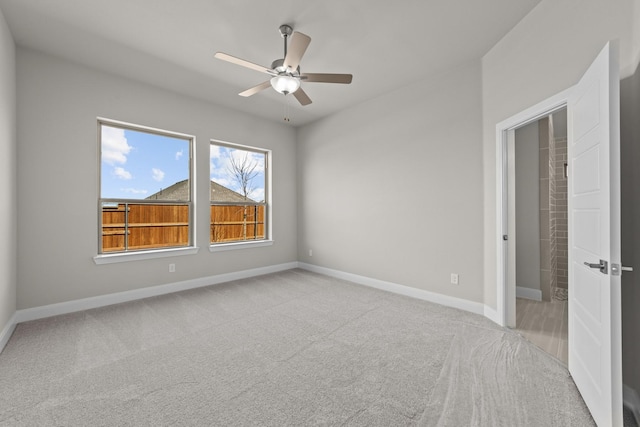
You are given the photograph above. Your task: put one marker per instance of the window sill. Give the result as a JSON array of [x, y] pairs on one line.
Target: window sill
[[142, 255], [221, 247]]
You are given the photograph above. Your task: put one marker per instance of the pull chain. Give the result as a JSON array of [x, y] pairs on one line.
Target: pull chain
[[286, 109]]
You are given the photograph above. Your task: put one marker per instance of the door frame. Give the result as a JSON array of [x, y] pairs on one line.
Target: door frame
[[506, 303]]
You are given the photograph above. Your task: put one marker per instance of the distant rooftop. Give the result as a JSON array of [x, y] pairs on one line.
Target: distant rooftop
[[180, 191]]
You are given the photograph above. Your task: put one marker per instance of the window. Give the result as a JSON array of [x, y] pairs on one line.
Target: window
[[145, 189], [238, 193]]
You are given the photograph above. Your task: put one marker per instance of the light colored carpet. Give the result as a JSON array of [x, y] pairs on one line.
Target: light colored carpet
[[292, 348]]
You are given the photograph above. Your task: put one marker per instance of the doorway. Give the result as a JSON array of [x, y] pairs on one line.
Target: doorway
[[538, 210], [595, 339], [505, 137]]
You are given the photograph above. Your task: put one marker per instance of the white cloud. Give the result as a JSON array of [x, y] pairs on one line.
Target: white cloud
[[217, 171], [157, 174], [114, 145], [121, 173], [257, 195], [221, 162], [250, 159], [179, 154], [222, 181], [133, 191]]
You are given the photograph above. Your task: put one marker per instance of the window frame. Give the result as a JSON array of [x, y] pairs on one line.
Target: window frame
[[268, 222], [157, 252]]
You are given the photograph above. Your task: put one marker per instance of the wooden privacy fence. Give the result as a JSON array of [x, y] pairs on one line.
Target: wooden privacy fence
[[233, 223], [131, 226], [138, 226]]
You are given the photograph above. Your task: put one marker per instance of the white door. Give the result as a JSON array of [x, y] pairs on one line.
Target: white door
[[595, 340]]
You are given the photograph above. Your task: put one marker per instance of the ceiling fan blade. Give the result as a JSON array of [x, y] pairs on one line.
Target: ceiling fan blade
[[302, 97], [297, 47], [256, 89], [243, 63], [326, 78]]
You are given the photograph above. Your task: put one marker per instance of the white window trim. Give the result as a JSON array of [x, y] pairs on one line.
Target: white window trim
[[116, 257], [246, 244], [113, 258], [222, 247]]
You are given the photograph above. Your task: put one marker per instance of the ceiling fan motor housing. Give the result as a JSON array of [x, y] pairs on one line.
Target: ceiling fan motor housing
[[278, 65]]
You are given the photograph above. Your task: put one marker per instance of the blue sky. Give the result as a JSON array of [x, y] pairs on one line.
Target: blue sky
[[136, 165], [220, 167]]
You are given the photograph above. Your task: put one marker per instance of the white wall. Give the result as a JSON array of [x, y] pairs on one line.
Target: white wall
[[560, 123], [527, 159], [544, 54], [8, 207], [392, 188], [58, 103], [413, 153]]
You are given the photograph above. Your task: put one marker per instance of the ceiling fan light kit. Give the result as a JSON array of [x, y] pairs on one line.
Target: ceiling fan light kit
[[285, 84], [286, 77]]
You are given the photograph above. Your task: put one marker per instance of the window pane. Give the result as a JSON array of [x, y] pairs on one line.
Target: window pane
[[129, 226], [233, 223], [238, 194], [113, 230], [237, 175], [141, 165], [145, 189]]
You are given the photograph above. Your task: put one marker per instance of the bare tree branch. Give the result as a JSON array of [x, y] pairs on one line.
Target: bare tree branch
[[243, 171]]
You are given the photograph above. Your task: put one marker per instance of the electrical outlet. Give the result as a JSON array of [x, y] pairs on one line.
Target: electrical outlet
[[310, 252], [172, 268], [454, 278]]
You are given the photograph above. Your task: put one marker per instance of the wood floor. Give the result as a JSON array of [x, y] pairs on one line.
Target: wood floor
[[544, 323]]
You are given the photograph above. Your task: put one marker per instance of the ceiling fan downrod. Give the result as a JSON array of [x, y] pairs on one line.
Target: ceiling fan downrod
[[285, 32]]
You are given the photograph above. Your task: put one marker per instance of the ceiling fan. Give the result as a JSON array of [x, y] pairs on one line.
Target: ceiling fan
[[286, 77]]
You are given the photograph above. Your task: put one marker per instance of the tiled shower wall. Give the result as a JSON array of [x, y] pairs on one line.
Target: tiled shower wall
[[558, 215], [553, 210], [545, 223]]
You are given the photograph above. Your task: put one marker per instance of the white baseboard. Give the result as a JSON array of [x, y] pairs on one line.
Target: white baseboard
[[473, 307], [136, 294], [35, 313], [631, 400], [528, 293], [5, 334]]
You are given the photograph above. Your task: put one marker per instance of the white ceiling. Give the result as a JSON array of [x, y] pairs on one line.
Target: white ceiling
[[170, 43]]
